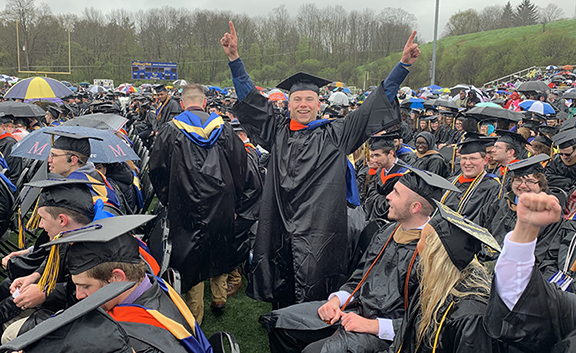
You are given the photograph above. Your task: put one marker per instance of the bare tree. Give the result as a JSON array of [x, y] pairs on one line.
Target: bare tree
[[550, 13], [463, 22], [490, 17]]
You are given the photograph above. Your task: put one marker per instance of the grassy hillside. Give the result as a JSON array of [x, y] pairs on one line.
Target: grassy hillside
[[480, 57]]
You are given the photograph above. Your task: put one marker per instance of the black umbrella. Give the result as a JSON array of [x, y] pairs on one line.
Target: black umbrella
[[532, 86], [446, 104], [569, 95], [102, 121], [487, 112], [568, 124], [558, 78], [21, 110]]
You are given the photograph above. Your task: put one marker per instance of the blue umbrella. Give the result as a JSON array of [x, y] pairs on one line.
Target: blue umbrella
[[110, 149], [215, 88], [537, 107], [414, 103]]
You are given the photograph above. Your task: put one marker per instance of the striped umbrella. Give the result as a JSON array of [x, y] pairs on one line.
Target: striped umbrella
[[37, 87]]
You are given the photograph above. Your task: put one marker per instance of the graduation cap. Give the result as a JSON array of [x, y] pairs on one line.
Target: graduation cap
[[54, 111], [236, 125], [548, 130], [460, 237], [84, 327], [104, 240], [470, 146], [5, 119], [565, 139], [379, 142], [72, 142], [512, 138], [159, 88], [431, 118], [529, 165], [543, 139], [302, 81], [426, 184]]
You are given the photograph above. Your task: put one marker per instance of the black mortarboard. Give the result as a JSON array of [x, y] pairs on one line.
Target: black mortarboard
[[543, 139], [54, 111], [236, 125], [302, 81], [159, 88], [426, 184], [565, 139], [83, 327], [529, 165], [512, 138], [72, 142], [379, 142], [71, 194], [548, 130], [470, 146], [104, 240], [460, 237], [431, 118], [5, 119]]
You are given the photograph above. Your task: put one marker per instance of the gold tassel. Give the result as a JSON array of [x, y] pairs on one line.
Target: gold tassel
[[34, 220], [21, 232], [50, 275]]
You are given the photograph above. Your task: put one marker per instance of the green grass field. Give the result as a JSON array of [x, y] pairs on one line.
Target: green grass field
[[240, 318]]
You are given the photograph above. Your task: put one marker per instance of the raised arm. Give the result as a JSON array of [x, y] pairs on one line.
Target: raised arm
[[242, 82]]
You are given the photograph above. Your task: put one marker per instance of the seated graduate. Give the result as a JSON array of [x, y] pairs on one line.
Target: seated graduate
[[428, 156], [82, 328], [446, 313], [527, 177], [155, 317], [478, 188], [526, 311], [365, 313]]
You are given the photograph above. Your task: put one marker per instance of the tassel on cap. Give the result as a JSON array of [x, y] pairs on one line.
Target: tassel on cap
[[50, 274]]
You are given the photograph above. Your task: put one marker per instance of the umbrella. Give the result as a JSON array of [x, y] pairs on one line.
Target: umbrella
[[128, 89], [66, 83], [338, 84], [215, 88], [277, 95], [456, 89], [21, 110], [441, 91], [84, 84], [488, 104], [37, 87], [73, 89], [98, 89], [569, 95], [5, 78], [414, 103], [429, 103], [532, 86], [551, 67], [434, 87], [446, 104], [339, 98], [494, 113], [537, 107], [111, 149], [558, 78], [180, 83], [145, 85], [102, 121], [568, 67]]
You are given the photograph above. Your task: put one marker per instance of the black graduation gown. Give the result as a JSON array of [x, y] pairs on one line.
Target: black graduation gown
[[486, 193], [200, 188], [543, 319], [461, 332], [549, 237], [169, 111], [122, 175], [300, 252], [376, 206], [381, 296], [560, 175], [434, 163]]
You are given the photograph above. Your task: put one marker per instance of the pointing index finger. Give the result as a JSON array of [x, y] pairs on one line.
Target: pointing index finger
[[232, 29], [410, 40]]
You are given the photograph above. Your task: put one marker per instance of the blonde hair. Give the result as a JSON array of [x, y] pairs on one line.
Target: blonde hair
[[438, 280]]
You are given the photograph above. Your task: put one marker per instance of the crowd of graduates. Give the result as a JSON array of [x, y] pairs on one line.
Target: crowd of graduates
[[391, 221]]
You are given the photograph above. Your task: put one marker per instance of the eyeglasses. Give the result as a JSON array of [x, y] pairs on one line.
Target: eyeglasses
[[528, 182], [54, 155], [567, 154]]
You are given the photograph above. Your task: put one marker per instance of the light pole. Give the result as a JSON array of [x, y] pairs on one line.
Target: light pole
[[433, 78]]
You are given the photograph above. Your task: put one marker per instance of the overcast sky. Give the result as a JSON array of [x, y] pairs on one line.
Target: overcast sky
[[422, 9]]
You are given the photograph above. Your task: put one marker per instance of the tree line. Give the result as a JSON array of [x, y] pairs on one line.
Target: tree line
[[331, 42]]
